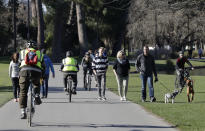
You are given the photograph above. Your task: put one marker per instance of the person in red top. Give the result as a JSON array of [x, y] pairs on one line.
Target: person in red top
[[179, 83]]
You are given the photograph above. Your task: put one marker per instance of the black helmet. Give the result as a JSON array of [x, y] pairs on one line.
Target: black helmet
[[69, 54], [31, 44]]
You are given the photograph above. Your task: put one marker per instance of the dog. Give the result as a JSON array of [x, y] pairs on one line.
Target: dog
[[190, 89], [171, 96], [168, 96]]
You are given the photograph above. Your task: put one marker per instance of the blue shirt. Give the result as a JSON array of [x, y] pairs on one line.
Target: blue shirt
[[49, 65]]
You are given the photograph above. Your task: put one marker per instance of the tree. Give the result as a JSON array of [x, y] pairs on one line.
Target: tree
[[40, 20], [33, 12], [81, 28]]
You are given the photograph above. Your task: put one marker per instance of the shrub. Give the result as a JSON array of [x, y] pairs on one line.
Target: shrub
[[169, 66]]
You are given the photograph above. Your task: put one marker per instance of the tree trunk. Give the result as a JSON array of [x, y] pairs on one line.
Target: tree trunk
[[40, 36], [33, 12], [57, 36], [82, 36], [71, 13]]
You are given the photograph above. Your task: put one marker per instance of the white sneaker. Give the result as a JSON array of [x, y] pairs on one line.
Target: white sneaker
[[99, 98], [124, 98], [121, 98], [103, 98]]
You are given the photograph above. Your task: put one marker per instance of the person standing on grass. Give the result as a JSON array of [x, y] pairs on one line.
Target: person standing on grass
[[200, 52], [121, 69], [14, 75], [100, 65], [146, 66], [49, 66]]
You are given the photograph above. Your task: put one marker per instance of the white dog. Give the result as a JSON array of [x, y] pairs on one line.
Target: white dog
[[168, 96]]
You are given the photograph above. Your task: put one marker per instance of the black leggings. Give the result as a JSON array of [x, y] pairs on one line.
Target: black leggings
[[16, 87]]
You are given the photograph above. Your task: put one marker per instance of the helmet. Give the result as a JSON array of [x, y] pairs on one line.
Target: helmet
[[31, 44], [87, 53], [69, 54], [181, 52]]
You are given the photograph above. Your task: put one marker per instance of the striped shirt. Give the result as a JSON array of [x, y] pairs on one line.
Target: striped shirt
[[100, 64]]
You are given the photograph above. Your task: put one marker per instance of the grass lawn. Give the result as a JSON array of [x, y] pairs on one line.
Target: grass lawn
[[5, 81], [194, 62], [186, 116]]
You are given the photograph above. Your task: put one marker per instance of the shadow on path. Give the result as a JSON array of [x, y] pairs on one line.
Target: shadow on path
[[66, 125]]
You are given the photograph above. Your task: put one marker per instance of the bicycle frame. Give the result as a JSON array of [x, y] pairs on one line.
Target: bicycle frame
[[31, 105], [69, 87], [88, 81]]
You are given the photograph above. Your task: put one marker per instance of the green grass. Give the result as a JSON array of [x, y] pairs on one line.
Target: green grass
[[194, 63], [5, 81], [185, 116]]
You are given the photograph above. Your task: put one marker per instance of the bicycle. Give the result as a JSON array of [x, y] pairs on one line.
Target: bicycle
[[31, 103], [69, 87], [185, 74], [88, 80]]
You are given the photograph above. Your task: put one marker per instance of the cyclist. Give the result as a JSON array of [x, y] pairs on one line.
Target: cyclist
[[30, 68], [70, 68], [87, 66], [180, 70]]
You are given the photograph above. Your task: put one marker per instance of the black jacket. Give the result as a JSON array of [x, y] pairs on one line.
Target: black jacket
[[146, 65], [122, 67]]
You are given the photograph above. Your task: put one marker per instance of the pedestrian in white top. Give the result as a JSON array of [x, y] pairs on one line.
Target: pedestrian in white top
[[14, 75]]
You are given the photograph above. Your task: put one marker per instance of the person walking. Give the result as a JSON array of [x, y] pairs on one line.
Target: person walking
[[200, 52], [145, 64], [70, 67], [32, 66], [121, 69], [87, 67], [14, 75], [100, 65], [49, 66], [181, 60]]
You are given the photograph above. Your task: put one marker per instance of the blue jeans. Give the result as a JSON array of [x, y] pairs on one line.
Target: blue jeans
[[44, 86], [147, 79]]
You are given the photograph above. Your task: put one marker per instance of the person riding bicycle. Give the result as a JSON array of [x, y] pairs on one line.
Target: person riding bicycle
[[70, 68], [87, 67], [180, 70], [31, 66]]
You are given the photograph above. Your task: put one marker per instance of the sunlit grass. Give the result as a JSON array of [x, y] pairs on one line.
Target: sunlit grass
[[185, 116], [5, 81]]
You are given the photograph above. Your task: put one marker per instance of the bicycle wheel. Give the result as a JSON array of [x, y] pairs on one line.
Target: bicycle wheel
[[86, 84], [30, 106], [89, 82], [70, 90]]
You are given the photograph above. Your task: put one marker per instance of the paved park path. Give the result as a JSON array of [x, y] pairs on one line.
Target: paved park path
[[85, 113]]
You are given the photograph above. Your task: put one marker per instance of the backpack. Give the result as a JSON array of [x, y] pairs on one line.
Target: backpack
[[31, 57]]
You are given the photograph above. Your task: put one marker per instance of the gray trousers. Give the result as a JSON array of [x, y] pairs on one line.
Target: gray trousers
[[101, 79], [122, 83]]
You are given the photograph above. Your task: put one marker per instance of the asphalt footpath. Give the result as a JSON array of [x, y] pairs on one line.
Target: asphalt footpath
[[84, 113]]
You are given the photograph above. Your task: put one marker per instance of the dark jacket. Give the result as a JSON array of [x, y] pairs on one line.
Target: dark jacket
[[146, 65], [181, 62], [122, 67], [87, 65]]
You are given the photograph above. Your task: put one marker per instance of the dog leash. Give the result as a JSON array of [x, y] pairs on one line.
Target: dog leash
[[164, 86]]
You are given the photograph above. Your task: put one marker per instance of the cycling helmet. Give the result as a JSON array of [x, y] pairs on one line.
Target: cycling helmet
[[69, 54], [181, 52], [87, 53], [31, 44]]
